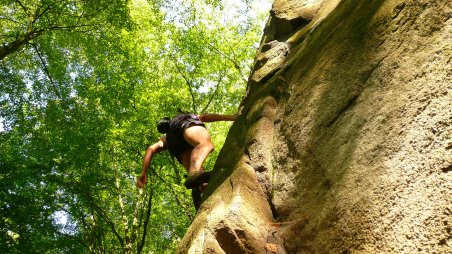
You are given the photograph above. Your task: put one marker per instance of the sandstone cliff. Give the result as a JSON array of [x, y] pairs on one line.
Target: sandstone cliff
[[344, 142]]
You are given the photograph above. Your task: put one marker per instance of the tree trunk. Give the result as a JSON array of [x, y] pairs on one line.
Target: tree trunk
[[343, 144]]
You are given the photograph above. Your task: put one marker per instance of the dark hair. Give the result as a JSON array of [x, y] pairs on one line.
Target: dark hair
[[163, 125]]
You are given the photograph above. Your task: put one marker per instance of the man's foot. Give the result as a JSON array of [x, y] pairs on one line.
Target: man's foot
[[196, 179]]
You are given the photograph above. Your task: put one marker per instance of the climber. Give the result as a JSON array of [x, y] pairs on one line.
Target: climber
[[186, 138]]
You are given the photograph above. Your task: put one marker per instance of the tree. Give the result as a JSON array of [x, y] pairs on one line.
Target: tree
[[22, 21], [79, 104]]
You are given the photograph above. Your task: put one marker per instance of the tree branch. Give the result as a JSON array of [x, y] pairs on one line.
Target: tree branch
[[125, 222], [236, 65], [146, 222], [31, 32], [32, 19], [230, 45], [39, 15], [74, 238], [96, 231], [46, 70], [68, 27], [176, 169], [174, 194], [11, 47], [22, 6], [105, 217], [9, 19], [135, 223], [214, 92], [190, 89]]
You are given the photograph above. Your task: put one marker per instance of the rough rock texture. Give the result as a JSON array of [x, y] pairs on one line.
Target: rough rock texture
[[344, 144]]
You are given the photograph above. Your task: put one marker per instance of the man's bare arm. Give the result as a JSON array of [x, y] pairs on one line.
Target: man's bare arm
[[216, 117], [150, 152]]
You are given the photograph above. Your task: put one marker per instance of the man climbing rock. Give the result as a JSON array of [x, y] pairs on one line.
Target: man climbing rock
[[186, 138]]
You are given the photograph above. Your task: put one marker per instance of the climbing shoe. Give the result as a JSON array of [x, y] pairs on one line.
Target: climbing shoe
[[197, 179]]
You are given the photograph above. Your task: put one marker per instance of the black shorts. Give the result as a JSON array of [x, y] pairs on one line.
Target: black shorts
[[175, 136], [190, 119]]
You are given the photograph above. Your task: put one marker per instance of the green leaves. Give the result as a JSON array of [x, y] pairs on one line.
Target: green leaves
[[79, 100], [23, 21]]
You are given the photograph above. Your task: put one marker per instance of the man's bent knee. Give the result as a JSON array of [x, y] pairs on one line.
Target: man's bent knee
[[210, 147]]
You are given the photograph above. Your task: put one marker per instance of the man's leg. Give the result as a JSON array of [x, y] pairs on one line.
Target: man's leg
[[195, 192], [194, 181], [199, 138]]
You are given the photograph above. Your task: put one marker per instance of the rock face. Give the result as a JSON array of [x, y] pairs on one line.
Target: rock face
[[344, 144]]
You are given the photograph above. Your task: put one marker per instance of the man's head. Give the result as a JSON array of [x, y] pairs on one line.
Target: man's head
[[163, 125]]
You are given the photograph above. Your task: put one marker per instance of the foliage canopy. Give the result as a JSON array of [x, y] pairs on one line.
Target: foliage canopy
[[82, 83]]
